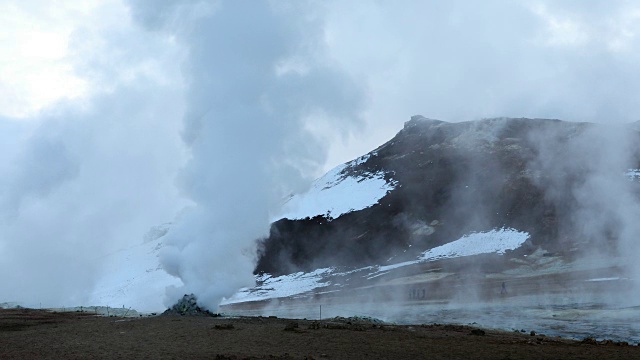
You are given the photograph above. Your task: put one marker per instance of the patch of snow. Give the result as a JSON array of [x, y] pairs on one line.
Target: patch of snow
[[604, 279], [386, 268], [633, 174], [361, 160], [281, 286], [495, 241], [9, 305], [337, 193], [134, 278]]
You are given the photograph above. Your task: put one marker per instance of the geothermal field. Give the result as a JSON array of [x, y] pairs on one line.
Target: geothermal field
[[253, 179]]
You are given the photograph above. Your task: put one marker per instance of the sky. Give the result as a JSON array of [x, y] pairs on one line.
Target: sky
[[119, 115]]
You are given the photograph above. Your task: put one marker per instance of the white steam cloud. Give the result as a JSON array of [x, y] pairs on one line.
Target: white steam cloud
[[227, 106], [89, 176], [583, 171], [252, 89]]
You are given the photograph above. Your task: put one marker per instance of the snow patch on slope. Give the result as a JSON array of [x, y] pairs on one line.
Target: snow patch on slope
[[337, 193], [604, 279], [496, 241], [281, 286], [134, 278]]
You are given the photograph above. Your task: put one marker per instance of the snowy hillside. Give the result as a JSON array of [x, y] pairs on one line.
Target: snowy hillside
[[495, 241], [338, 192], [134, 278]]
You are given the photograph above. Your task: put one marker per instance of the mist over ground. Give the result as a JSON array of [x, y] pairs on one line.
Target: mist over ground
[[119, 116]]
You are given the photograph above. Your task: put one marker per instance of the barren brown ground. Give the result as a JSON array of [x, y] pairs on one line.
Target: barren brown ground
[[37, 334]]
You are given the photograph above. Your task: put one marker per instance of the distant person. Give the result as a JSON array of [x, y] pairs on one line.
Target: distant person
[[503, 291]]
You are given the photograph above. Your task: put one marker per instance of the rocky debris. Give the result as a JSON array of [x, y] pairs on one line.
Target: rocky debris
[[314, 325], [614, 343], [357, 323], [291, 326], [538, 341], [335, 325], [358, 320], [477, 332], [188, 306], [453, 327], [605, 342]]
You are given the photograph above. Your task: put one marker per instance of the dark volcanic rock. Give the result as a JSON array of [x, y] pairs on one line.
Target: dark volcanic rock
[[456, 178], [188, 306]]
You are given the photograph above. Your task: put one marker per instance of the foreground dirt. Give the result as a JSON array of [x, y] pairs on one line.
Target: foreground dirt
[[37, 334]]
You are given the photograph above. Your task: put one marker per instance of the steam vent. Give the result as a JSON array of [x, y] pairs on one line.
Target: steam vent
[[188, 306]]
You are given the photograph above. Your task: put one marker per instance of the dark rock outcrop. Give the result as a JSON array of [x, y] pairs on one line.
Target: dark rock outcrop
[[456, 178], [188, 306]]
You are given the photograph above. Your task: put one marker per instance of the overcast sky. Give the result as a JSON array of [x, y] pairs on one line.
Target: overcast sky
[[112, 112], [453, 60]]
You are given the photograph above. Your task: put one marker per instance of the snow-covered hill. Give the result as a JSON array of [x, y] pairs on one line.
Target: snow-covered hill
[[436, 182], [339, 192], [494, 200]]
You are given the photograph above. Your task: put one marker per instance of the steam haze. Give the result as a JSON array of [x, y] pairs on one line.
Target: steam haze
[[252, 92], [206, 114]]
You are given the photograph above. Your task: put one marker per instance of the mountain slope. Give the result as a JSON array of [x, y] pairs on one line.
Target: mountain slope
[[439, 207], [133, 277], [435, 181]]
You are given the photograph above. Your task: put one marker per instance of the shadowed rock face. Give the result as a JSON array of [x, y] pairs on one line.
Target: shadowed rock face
[[456, 178]]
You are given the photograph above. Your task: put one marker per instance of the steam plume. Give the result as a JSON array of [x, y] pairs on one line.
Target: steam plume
[[253, 92]]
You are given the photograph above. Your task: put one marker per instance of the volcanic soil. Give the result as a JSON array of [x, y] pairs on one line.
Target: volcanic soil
[[38, 334]]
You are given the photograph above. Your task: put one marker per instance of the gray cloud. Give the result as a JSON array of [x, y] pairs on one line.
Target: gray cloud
[[85, 178], [465, 60]]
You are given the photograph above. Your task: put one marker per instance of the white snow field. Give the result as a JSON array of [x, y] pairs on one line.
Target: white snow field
[[337, 193], [495, 241], [133, 278], [281, 286]]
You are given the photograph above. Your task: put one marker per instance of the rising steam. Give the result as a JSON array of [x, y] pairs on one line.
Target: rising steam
[[253, 91]]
